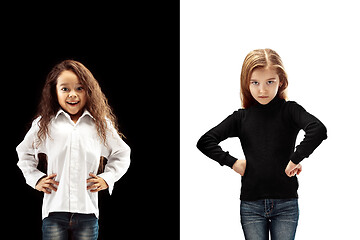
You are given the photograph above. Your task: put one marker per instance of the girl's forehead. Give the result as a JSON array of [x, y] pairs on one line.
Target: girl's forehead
[[68, 77], [263, 73]]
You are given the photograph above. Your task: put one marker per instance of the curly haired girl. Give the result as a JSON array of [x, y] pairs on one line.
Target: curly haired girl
[[74, 128]]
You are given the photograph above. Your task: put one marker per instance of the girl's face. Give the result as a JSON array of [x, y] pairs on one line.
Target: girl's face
[[264, 85], [71, 94]]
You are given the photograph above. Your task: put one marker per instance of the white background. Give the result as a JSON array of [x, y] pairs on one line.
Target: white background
[[319, 45]]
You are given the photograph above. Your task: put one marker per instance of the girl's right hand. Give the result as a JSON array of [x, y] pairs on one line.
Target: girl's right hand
[[47, 184], [239, 166]]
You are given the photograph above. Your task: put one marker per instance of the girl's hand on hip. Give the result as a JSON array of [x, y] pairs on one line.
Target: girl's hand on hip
[[292, 169], [239, 166], [46, 184], [97, 183]]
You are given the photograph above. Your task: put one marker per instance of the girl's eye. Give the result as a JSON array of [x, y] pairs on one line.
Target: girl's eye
[[80, 88], [64, 89], [270, 82], [254, 82]]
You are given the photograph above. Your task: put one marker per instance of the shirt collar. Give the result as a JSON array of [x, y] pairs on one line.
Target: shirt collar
[[61, 111], [274, 103]]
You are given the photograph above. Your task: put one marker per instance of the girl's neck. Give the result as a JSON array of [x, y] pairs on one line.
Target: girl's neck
[[272, 104], [75, 117]]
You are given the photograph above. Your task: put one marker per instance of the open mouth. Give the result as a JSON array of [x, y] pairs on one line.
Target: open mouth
[[73, 103]]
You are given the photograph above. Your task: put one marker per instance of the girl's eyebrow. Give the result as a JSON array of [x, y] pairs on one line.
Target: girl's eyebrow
[[65, 84], [273, 78]]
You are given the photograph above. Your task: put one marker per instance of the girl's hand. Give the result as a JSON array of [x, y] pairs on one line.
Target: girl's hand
[[47, 184], [239, 167], [98, 183], [292, 169]]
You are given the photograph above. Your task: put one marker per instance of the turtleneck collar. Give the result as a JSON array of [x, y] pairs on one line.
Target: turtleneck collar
[[271, 105]]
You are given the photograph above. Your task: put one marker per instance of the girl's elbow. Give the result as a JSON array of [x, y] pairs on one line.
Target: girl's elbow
[[323, 131], [201, 143]]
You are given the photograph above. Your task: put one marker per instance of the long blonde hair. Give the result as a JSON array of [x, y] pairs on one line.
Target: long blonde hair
[[96, 104], [261, 58]]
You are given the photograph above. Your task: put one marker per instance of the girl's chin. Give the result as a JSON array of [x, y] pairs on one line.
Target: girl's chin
[[263, 101], [72, 112]]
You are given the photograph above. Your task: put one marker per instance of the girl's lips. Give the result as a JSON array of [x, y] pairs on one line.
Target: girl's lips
[[73, 103], [263, 96]]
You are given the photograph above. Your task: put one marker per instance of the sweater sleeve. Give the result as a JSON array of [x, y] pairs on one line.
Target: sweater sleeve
[[208, 144], [315, 132]]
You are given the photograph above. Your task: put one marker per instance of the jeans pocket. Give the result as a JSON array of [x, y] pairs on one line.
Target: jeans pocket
[[288, 209], [251, 212], [53, 228]]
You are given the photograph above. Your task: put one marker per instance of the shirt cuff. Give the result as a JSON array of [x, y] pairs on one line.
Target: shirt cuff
[[107, 176], [33, 180]]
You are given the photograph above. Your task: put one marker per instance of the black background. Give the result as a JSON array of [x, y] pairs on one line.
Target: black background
[[133, 52]]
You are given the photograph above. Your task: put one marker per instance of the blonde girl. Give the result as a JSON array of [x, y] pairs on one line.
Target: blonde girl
[[267, 127], [74, 128]]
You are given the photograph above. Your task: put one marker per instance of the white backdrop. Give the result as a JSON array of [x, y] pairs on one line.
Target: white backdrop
[[319, 45]]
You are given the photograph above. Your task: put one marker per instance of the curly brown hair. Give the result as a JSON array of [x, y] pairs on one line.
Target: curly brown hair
[[96, 104]]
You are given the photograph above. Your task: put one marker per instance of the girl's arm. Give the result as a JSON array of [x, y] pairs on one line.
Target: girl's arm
[[208, 144], [27, 157], [118, 154], [315, 132]]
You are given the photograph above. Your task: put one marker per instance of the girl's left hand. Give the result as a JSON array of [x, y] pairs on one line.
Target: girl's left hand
[[98, 183], [292, 169]]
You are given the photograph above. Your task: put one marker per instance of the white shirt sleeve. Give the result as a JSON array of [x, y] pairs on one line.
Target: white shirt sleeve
[[27, 154], [118, 154]]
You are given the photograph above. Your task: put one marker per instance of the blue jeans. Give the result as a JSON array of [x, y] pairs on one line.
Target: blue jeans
[[65, 225], [277, 216]]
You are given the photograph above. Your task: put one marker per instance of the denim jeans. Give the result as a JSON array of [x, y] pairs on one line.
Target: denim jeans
[[277, 216], [65, 225]]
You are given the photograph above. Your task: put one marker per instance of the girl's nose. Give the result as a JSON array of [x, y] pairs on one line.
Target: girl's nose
[[72, 94], [262, 88]]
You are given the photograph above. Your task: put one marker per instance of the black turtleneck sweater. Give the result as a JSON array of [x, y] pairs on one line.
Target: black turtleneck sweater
[[267, 135]]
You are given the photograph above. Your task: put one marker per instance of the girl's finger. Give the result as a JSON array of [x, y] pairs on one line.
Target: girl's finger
[[51, 176], [93, 180], [52, 181], [93, 186], [50, 186], [45, 190], [293, 172], [95, 190], [93, 175]]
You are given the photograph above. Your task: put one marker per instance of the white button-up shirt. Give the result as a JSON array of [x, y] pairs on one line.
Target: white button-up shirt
[[73, 151]]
